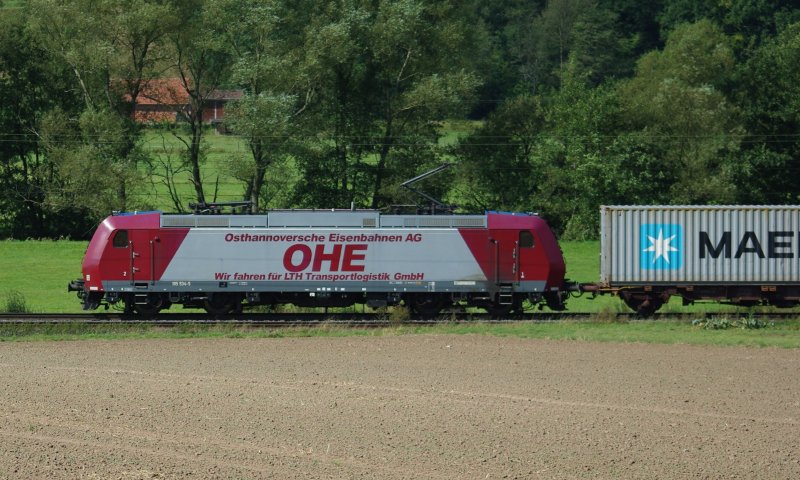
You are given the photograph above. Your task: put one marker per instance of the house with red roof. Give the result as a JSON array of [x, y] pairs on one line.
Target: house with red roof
[[163, 100]]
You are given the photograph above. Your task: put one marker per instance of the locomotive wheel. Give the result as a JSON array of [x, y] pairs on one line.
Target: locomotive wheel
[[498, 310], [426, 304], [221, 303], [555, 301], [155, 303]]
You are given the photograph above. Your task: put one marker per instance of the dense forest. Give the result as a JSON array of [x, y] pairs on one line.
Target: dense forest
[[562, 105]]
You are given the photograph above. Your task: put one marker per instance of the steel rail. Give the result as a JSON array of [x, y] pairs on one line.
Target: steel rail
[[362, 319]]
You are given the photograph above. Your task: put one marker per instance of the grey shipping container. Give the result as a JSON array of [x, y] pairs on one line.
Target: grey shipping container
[[699, 245]]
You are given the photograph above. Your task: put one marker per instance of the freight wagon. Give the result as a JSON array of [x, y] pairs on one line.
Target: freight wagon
[[742, 255], [222, 263]]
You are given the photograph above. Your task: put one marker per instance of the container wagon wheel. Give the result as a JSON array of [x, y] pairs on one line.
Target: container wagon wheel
[[643, 306]]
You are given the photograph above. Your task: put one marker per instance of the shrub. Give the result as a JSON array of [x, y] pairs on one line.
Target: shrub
[[15, 302], [749, 323]]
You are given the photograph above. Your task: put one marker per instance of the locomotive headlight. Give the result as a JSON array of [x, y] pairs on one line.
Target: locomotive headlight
[[88, 277]]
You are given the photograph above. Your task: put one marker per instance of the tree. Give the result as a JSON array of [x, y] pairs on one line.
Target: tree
[[598, 49], [638, 20], [676, 103], [87, 166], [496, 162], [506, 22], [31, 84], [112, 54], [749, 22], [261, 63], [587, 159], [199, 57], [384, 74], [562, 156], [768, 95], [265, 120], [544, 47]]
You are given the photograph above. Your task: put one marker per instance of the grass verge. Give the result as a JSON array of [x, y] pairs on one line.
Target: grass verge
[[783, 335], [34, 274]]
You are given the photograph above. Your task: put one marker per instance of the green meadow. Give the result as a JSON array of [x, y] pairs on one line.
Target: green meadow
[[222, 153], [36, 273]]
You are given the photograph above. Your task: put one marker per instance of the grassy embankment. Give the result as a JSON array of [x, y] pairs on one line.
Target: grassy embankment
[[784, 335], [38, 272]]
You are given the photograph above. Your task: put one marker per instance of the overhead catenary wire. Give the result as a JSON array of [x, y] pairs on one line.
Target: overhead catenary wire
[[364, 140]]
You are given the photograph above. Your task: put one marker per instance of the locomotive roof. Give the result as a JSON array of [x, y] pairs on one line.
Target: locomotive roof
[[333, 218], [319, 218]]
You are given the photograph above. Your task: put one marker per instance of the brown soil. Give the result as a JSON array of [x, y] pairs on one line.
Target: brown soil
[[396, 407]]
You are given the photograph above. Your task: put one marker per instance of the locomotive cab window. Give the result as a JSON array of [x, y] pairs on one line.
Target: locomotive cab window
[[120, 239], [525, 239]]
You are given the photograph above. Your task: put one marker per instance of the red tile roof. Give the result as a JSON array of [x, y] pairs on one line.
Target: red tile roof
[[163, 91]]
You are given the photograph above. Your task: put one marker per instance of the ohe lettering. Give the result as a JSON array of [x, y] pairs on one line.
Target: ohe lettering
[[339, 258]]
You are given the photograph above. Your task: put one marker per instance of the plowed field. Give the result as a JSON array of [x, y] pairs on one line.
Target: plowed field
[[416, 406]]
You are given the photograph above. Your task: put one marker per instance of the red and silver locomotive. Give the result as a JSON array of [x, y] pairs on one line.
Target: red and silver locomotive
[[330, 258]]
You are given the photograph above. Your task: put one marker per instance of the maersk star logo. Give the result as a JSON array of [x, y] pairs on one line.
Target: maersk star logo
[[661, 245]]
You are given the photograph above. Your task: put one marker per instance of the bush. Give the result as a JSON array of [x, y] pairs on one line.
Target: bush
[[749, 323], [15, 302]]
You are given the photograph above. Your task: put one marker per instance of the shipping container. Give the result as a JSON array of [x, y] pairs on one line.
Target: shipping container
[[704, 252], [700, 244]]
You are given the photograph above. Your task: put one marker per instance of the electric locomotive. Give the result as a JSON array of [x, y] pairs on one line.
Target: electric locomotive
[[223, 263]]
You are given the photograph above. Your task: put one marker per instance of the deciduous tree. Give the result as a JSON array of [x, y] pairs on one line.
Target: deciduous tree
[[264, 65], [767, 92], [386, 74], [200, 60], [676, 101], [112, 52], [31, 84]]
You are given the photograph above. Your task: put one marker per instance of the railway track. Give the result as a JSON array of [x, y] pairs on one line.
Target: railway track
[[357, 319]]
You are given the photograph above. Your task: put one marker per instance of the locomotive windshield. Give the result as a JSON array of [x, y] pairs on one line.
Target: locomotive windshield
[[525, 239], [120, 239]]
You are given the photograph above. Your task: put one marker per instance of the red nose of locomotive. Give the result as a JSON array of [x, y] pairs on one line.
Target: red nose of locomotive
[[107, 250], [90, 286], [527, 254]]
